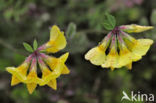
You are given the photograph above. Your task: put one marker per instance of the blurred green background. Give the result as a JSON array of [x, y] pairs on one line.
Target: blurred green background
[[26, 20]]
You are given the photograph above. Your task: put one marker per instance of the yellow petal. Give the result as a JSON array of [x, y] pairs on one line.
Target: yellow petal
[[137, 47], [125, 56], [65, 70], [64, 57], [47, 75], [129, 66], [142, 46], [45, 72], [133, 28], [23, 68], [19, 72], [14, 81], [54, 63], [131, 44], [58, 69], [32, 78], [15, 72], [32, 74], [96, 56], [112, 68], [51, 61], [57, 40], [31, 87], [53, 75], [53, 84], [111, 59]]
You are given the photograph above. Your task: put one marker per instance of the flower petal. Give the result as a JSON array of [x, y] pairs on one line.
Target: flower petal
[[131, 43], [96, 56], [112, 59], [125, 56], [47, 75], [133, 28], [16, 72], [56, 64], [57, 40], [32, 78], [20, 72], [45, 72], [129, 66], [31, 87], [14, 81], [65, 70], [64, 57], [142, 46], [139, 47], [53, 84]]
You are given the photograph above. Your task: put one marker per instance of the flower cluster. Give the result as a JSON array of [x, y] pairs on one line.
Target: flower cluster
[[51, 67], [119, 49]]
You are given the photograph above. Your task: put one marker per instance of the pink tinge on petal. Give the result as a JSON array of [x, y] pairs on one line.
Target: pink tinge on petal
[[33, 64], [109, 35], [28, 59], [123, 27], [41, 63], [40, 60], [123, 33], [107, 38], [42, 55], [120, 38], [113, 41], [42, 47]]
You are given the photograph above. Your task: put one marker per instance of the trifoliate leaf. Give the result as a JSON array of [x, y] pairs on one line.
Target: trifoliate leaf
[[71, 30], [35, 44], [109, 22], [27, 47]]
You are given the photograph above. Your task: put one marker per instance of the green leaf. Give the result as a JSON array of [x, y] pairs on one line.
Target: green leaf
[[27, 47], [71, 30], [109, 21], [35, 44]]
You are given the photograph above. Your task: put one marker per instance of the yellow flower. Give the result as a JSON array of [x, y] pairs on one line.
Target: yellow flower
[[133, 28], [124, 49], [32, 78], [97, 54], [19, 73], [138, 47], [112, 58], [48, 77], [57, 65], [126, 56], [57, 41]]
